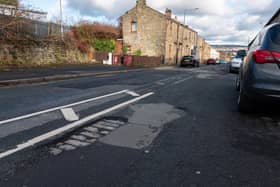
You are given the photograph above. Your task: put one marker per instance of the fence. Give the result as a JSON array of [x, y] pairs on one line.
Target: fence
[[32, 28], [99, 56], [146, 61]]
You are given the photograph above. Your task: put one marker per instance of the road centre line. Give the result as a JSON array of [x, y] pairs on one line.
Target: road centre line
[[71, 126], [61, 107], [180, 81]]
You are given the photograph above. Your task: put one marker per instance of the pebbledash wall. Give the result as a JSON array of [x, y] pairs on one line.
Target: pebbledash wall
[[40, 54]]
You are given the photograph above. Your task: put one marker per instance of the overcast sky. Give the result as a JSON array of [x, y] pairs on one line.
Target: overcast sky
[[219, 21]]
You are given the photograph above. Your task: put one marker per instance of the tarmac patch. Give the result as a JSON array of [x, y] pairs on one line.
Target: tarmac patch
[[144, 125]]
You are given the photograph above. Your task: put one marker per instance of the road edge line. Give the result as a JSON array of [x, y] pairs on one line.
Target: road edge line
[[60, 107], [71, 126]]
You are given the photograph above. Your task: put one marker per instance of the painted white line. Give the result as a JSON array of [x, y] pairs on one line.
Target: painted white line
[[134, 94], [71, 126], [69, 114], [60, 107], [183, 80]]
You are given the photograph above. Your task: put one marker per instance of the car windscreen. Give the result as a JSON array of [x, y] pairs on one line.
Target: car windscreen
[[187, 57], [241, 54], [274, 38]]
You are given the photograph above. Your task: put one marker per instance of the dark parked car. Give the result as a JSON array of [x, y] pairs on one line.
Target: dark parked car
[[189, 61], [211, 61], [259, 77]]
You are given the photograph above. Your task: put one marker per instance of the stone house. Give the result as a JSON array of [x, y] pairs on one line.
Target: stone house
[[157, 34]]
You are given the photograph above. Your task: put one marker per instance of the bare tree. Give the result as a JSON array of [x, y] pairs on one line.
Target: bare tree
[[15, 20]]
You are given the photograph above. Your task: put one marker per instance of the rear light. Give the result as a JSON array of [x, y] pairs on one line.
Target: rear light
[[265, 56]]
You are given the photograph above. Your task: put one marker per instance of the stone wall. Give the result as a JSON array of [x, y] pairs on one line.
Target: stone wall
[[160, 35], [40, 54], [181, 37], [150, 34]]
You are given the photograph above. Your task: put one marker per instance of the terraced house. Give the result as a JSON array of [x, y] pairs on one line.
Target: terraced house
[[158, 34]]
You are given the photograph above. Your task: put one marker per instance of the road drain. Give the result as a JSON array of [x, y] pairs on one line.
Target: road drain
[[88, 135]]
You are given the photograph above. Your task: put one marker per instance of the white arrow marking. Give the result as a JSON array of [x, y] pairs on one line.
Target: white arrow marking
[[69, 114], [134, 94], [71, 126], [60, 107]]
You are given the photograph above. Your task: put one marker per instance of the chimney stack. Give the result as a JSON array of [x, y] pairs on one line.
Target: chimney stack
[[141, 3], [168, 13]]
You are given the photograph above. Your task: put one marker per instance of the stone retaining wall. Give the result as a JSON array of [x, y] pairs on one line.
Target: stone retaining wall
[[39, 54]]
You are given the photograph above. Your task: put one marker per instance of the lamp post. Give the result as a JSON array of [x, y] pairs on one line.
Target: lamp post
[[61, 20], [183, 33]]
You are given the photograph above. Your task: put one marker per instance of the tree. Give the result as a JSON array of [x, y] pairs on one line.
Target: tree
[[9, 2], [15, 21], [99, 36]]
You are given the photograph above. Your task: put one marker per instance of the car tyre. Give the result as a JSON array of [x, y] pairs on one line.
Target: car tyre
[[237, 83], [244, 104]]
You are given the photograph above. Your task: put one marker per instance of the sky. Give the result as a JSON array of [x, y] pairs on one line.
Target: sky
[[218, 21]]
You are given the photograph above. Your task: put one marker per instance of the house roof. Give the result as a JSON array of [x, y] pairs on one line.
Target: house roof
[[161, 14], [273, 17]]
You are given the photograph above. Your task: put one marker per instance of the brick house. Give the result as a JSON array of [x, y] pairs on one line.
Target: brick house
[[157, 34]]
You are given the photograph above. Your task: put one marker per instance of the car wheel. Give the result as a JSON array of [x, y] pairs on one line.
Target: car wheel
[[237, 83], [244, 104]]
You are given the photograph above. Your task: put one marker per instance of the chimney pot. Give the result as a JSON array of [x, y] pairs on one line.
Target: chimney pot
[[168, 13], [141, 3]]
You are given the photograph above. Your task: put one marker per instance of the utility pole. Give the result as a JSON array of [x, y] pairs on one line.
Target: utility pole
[[61, 20], [188, 10], [183, 33]]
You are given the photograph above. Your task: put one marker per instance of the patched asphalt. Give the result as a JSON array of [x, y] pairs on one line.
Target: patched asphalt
[[188, 134]]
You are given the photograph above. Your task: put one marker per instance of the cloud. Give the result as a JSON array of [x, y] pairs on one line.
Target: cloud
[[224, 21]]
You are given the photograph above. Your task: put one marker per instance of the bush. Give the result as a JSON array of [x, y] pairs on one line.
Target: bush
[[104, 45], [124, 50], [138, 52], [101, 37]]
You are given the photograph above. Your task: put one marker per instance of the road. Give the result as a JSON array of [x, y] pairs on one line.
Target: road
[[159, 127]]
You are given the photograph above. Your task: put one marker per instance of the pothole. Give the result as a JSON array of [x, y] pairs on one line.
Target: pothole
[[88, 135]]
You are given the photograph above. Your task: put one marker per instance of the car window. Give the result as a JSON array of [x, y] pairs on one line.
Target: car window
[[275, 35], [241, 54], [188, 57]]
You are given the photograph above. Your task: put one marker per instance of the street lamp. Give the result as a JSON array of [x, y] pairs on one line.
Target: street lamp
[[61, 18], [188, 10]]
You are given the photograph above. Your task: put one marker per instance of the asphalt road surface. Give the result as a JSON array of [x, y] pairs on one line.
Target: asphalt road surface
[[158, 127]]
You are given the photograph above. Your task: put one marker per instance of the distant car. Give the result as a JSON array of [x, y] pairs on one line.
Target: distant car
[[211, 61], [235, 64], [259, 77], [189, 61], [223, 62]]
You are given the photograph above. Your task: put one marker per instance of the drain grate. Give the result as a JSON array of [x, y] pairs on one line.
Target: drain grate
[[88, 135]]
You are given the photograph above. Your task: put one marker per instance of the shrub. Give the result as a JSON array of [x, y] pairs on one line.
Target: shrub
[[124, 50], [104, 45], [138, 52]]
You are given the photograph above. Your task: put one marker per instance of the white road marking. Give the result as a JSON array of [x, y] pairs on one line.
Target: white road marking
[[183, 80], [69, 114], [71, 126], [60, 107], [134, 94]]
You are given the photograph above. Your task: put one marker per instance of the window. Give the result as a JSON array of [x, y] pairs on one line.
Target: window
[[133, 26]]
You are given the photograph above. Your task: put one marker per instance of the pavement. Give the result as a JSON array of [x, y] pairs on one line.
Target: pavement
[[157, 127], [17, 76]]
